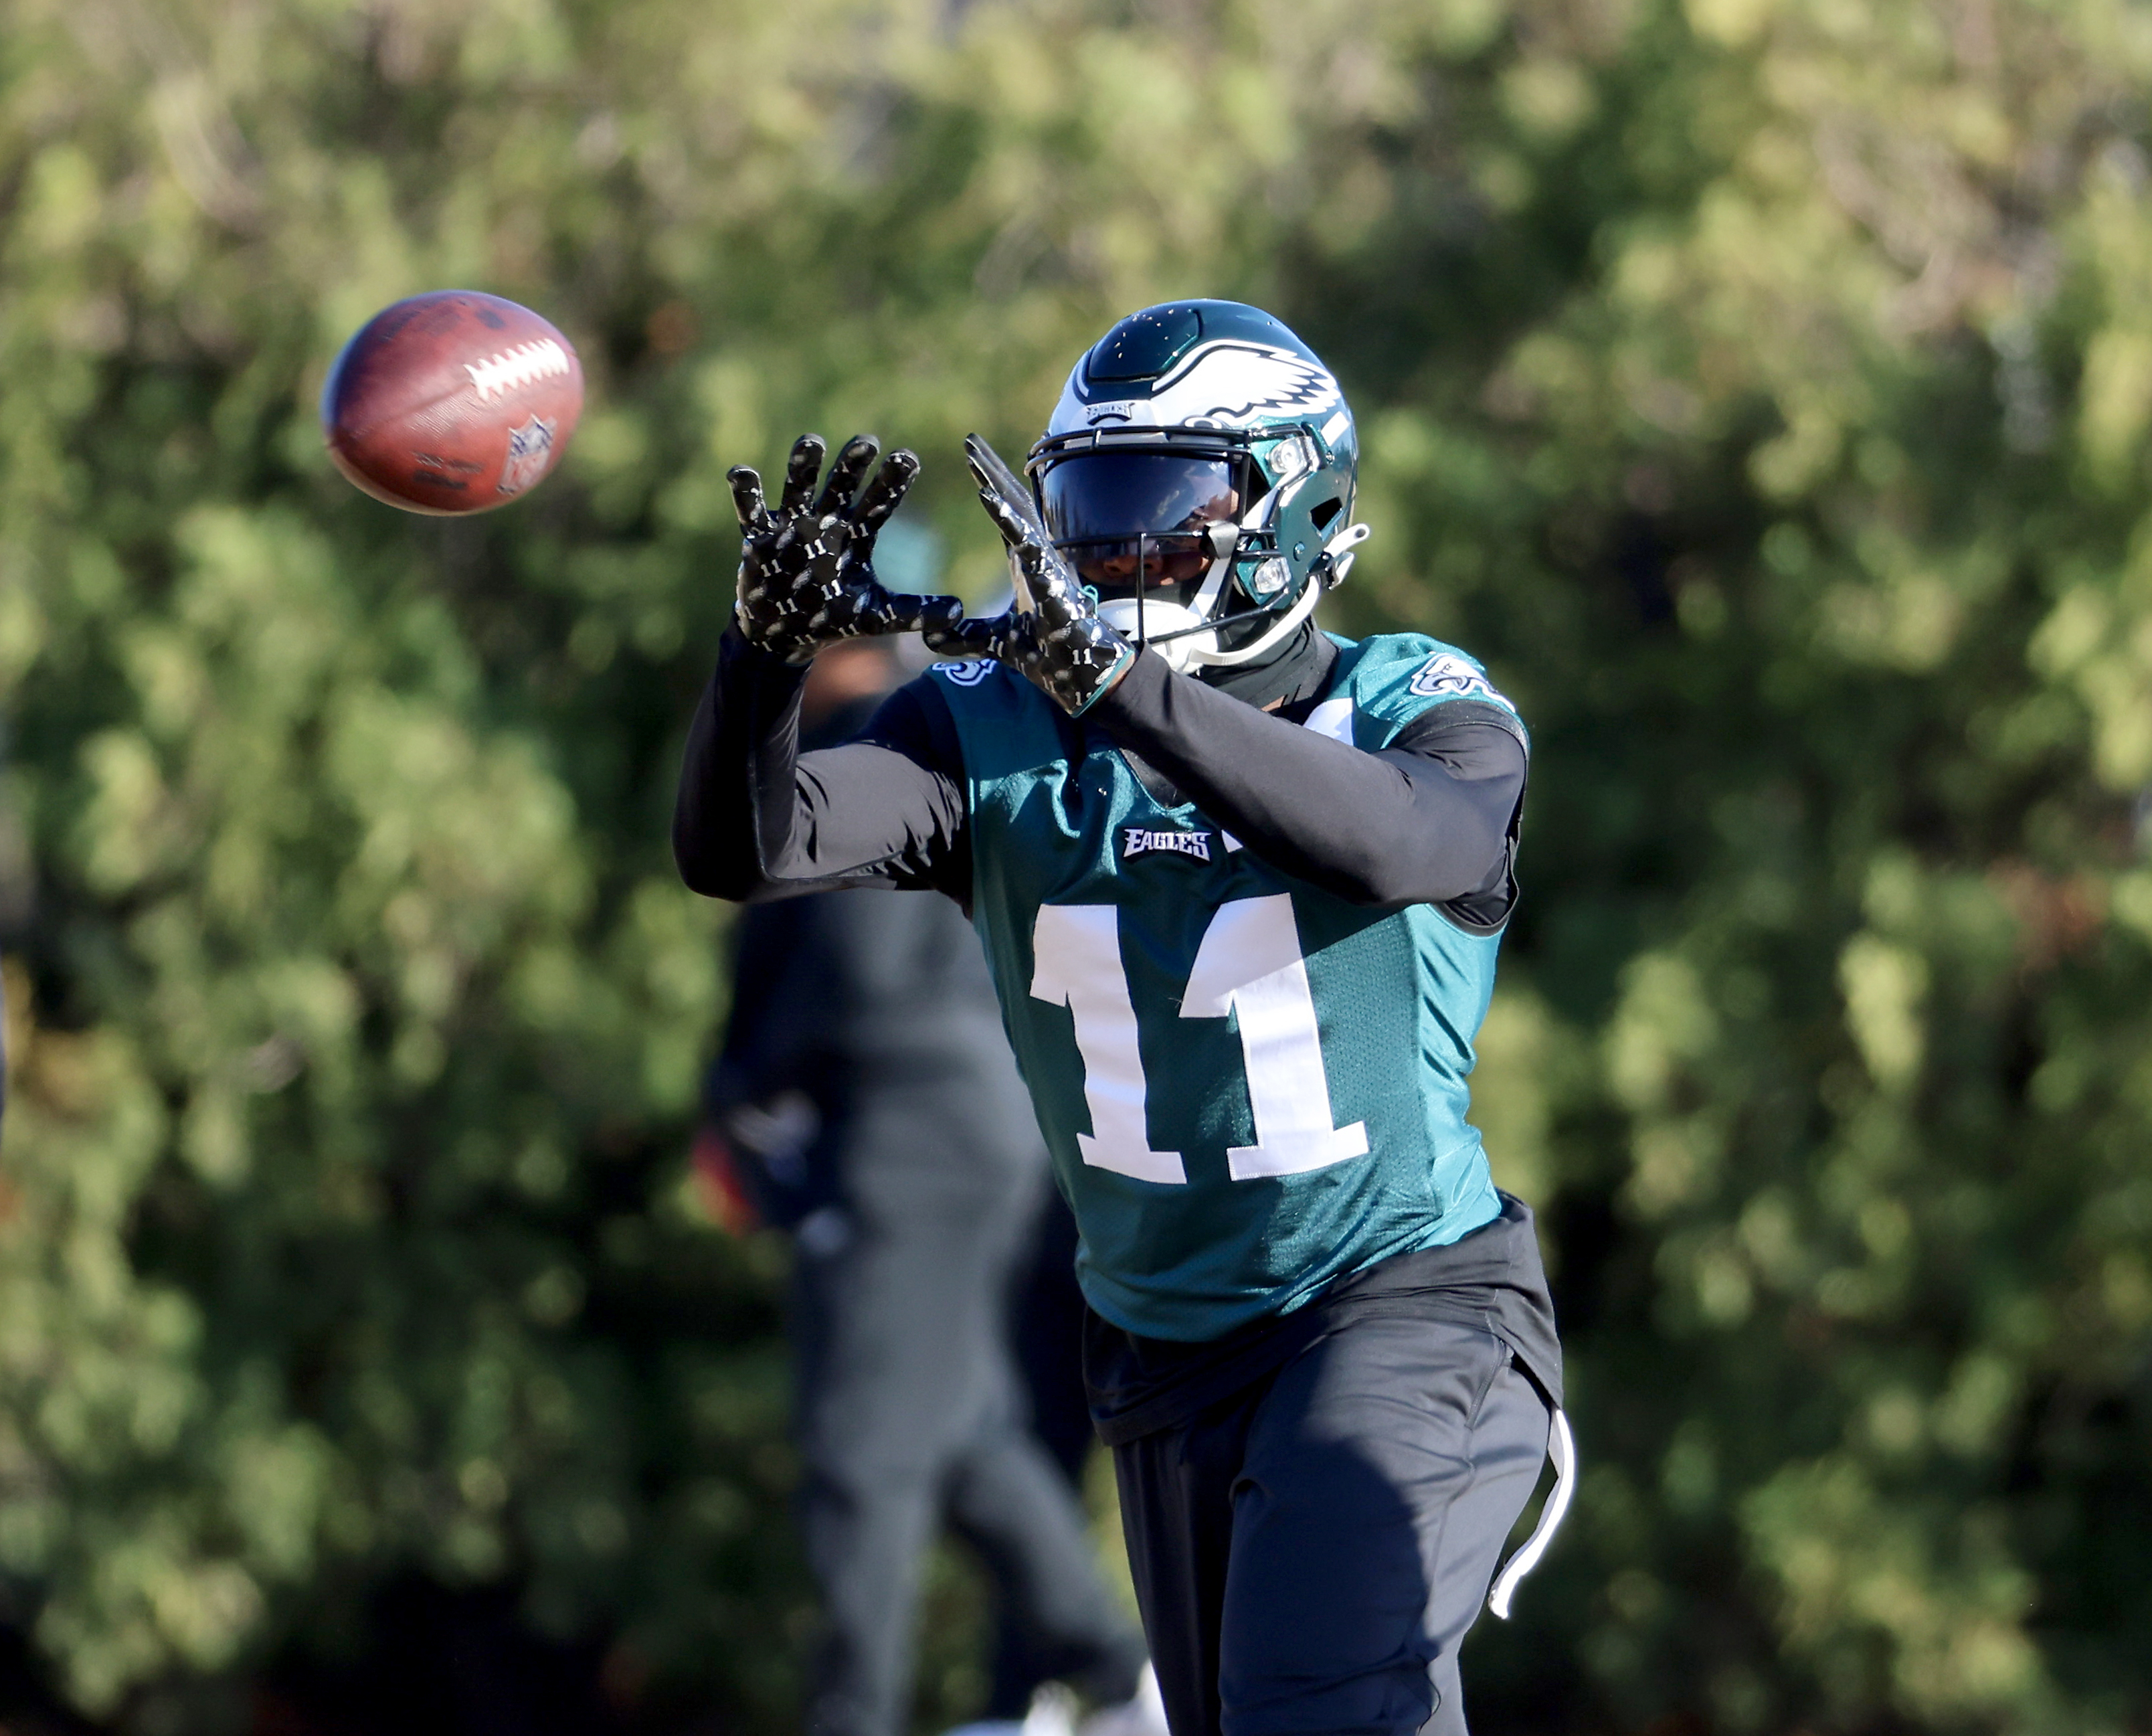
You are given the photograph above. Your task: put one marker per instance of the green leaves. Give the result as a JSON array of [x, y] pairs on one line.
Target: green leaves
[[1759, 385]]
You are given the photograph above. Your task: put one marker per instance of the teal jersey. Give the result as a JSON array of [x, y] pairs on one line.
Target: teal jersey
[[1249, 1085]]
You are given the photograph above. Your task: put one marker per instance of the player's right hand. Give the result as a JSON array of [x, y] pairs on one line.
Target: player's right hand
[[806, 570], [1052, 633]]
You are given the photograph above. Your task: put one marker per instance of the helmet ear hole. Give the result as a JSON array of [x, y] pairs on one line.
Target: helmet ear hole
[[1327, 511]]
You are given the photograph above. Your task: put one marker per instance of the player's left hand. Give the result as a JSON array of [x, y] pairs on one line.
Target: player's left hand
[[806, 570], [1051, 633]]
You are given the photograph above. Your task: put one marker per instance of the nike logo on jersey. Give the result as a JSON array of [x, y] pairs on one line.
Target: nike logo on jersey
[[1142, 841]]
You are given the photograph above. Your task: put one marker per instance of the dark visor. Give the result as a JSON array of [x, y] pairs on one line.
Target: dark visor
[[1104, 507]]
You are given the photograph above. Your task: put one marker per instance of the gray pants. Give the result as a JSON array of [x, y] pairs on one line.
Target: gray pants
[[908, 1415], [1309, 1553]]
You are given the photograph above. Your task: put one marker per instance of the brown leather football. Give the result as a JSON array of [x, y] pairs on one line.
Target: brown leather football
[[453, 402]]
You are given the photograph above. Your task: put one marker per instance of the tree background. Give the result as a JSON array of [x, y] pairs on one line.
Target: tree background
[[1760, 387]]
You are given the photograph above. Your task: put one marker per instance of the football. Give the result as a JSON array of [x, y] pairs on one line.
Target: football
[[451, 402]]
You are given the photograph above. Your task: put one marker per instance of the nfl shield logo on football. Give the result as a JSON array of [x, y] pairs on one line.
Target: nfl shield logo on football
[[530, 450]]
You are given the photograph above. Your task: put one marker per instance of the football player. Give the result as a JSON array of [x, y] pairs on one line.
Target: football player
[[1241, 885]]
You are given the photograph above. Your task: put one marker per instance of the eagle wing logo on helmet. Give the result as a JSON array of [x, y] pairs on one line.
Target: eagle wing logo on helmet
[[1222, 385], [1235, 384]]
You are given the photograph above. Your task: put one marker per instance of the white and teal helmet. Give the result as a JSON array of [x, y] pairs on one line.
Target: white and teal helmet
[[1204, 446]]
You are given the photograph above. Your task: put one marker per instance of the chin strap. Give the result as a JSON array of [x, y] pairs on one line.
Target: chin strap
[[1561, 1448], [1337, 557], [1286, 623]]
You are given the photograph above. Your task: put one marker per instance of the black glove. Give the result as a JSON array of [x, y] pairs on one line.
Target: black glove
[[806, 573], [1052, 633]]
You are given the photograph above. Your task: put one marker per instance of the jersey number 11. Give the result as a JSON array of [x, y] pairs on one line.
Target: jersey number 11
[[1249, 966]]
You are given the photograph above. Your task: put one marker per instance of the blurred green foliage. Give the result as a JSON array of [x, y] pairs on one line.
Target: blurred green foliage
[[1761, 386]]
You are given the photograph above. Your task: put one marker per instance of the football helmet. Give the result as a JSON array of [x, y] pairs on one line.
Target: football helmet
[[1199, 473]]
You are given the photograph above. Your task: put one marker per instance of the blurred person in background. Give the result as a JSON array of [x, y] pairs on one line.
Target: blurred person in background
[[1241, 886], [866, 1100]]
